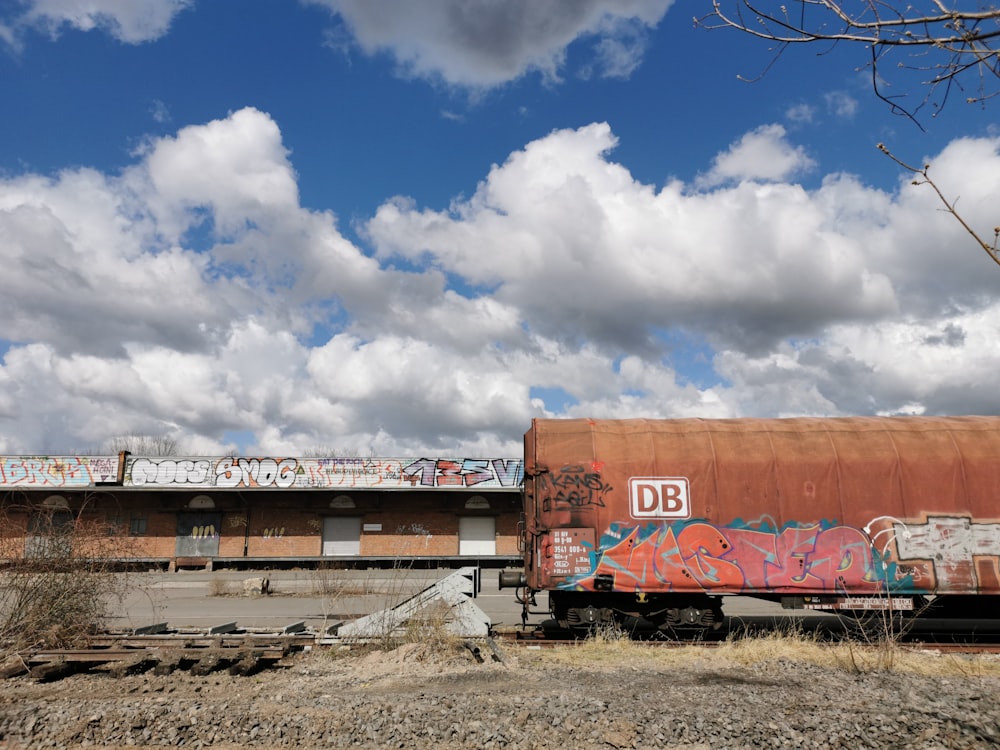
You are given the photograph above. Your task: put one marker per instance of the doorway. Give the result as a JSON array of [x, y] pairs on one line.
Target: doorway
[[477, 535], [198, 534], [341, 535]]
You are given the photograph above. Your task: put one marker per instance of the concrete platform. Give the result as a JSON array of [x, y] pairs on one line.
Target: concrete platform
[[200, 599]]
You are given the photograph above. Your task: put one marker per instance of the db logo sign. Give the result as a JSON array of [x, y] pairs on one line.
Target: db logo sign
[[659, 497]]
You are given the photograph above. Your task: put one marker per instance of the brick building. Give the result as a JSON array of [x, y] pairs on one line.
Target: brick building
[[267, 511]]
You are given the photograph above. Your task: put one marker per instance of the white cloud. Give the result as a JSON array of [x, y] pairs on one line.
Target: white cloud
[[489, 42], [584, 251], [237, 168], [620, 47], [159, 111], [801, 113], [126, 20], [762, 154], [841, 104], [902, 365], [186, 296], [76, 252]]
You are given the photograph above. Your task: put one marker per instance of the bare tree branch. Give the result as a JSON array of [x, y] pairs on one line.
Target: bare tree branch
[[142, 445], [924, 178], [947, 42]]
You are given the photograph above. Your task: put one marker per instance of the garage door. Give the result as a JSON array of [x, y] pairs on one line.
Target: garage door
[[198, 534], [341, 535], [477, 535]]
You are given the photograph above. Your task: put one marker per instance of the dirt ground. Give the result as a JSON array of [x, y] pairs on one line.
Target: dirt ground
[[595, 695]]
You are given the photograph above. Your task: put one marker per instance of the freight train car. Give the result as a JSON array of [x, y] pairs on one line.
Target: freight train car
[[653, 521]]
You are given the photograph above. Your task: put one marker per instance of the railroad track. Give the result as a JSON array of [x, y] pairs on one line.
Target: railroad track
[[245, 652], [956, 640], [530, 641], [224, 647]]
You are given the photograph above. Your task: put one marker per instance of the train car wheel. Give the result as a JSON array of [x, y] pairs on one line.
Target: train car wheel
[[691, 617]]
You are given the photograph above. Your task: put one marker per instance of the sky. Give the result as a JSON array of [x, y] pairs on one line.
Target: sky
[[379, 227]]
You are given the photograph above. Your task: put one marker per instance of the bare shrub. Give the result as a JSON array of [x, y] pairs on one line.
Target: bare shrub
[[327, 451], [402, 609], [142, 445], [59, 574]]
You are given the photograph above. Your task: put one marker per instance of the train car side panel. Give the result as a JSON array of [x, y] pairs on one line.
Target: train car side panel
[[849, 506]]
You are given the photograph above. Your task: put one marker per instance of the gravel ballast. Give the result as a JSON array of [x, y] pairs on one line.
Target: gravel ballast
[[414, 697]]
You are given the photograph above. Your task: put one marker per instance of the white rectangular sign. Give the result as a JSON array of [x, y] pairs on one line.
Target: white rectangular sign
[[659, 497]]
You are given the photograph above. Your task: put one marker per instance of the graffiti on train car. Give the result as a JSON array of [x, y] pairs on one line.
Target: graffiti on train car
[[573, 487], [57, 471], [961, 555], [325, 473], [698, 555]]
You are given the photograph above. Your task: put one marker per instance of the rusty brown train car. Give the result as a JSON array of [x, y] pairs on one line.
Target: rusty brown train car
[[659, 519]]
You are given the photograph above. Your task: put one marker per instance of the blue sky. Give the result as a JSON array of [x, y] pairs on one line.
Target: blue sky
[[367, 226]]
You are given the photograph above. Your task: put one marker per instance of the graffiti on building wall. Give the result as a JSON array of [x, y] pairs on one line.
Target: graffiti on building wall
[[57, 471], [168, 471], [468, 472], [256, 472], [416, 530], [697, 555], [413, 528], [325, 473]]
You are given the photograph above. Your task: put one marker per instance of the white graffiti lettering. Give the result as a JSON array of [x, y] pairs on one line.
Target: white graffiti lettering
[[146, 471], [256, 472], [950, 544]]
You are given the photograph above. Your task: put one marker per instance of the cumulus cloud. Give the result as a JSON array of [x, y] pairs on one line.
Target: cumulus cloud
[[126, 20], [236, 169], [485, 43], [584, 251], [181, 295], [763, 154], [75, 253], [899, 366], [191, 294], [783, 282]]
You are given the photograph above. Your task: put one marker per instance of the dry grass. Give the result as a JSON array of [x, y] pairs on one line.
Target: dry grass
[[877, 656], [389, 588], [601, 652]]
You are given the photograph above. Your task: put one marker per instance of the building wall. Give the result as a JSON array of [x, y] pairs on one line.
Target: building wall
[[13, 531], [423, 531], [277, 532], [507, 533], [275, 524]]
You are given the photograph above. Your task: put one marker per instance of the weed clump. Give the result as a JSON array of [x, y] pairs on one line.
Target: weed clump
[[58, 580]]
